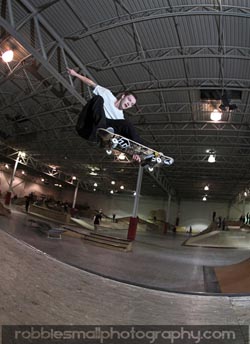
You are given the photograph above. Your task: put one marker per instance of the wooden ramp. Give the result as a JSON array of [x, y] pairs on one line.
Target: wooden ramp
[[234, 278], [108, 241], [100, 239]]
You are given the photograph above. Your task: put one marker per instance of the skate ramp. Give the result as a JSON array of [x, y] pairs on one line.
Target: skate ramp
[[221, 239], [83, 223], [234, 278], [107, 224], [4, 211]]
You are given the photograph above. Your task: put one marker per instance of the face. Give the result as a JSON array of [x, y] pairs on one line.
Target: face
[[127, 102]]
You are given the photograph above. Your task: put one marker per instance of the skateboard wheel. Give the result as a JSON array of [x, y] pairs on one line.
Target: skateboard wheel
[[109, 151], [168, 161], [114, 142]]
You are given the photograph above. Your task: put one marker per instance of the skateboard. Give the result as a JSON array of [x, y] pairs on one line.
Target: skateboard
[[146, 156]]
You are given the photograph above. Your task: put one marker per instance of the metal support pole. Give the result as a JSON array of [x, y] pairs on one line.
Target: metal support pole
[[244, 206], [133, 220], [14, 172], [8, 193], [228, 210], [167, 215], [138, 191], [75, 194], [168, 209]]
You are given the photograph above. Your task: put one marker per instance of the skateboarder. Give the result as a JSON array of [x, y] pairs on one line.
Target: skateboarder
[[104, 110]]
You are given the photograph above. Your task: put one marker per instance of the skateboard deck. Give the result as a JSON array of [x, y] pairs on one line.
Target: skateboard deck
[[147, 156]]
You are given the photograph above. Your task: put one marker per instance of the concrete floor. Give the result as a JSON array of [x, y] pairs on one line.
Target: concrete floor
[[156, 261], [35, 288]]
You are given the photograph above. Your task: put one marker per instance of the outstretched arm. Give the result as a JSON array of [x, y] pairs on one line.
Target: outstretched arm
[[83, 78]]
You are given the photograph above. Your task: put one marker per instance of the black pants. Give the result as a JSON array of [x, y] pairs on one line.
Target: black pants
[[93, 117]]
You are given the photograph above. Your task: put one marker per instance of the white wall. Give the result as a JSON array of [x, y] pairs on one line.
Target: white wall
[[199, 214], [236, 210], [121, 205], [22, 186]]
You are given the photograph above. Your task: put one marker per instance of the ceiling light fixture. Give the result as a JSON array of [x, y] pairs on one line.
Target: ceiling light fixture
[[212, 156], [204, 198], [206, 188], [7, 56], [215, 115]]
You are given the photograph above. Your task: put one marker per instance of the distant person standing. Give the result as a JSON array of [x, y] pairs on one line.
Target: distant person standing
[[114, 215], [247, 218], [219, 221], [223, 224], [97, 220], [27, 203], [66, 207], [214, 216]]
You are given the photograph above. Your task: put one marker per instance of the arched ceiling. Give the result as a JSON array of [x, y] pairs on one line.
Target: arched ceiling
[[178, 56]]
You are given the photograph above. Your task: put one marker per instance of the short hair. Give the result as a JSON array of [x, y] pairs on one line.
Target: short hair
[[127, 93], [130, 93]]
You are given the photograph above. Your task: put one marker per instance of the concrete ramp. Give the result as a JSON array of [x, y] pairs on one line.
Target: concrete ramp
[[221, 239], [37, 289], [4, 211]]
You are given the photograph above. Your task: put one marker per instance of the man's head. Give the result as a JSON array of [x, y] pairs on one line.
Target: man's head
[[126, 100]]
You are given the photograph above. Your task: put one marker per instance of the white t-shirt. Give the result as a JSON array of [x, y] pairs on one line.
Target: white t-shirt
[[110, 110]]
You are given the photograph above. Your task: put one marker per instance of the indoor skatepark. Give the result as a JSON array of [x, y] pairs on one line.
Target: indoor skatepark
[[155, 260], [187, 64]]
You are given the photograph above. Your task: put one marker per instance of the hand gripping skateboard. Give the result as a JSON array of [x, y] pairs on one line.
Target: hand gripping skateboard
[[147, 156]]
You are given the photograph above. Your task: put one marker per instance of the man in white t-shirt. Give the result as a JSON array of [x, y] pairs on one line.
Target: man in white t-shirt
[[104, 110]]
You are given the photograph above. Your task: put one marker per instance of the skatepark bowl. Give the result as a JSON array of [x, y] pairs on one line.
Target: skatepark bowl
[[170, 279]]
